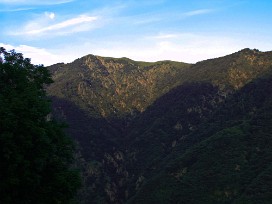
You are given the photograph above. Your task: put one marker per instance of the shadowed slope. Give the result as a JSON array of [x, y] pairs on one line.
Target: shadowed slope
[[130, 117]]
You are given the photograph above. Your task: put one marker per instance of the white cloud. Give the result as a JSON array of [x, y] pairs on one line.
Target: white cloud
[[15, 9], [39, 55], [148, 20], [165, 36], [185, 47], [50, 15], [64, 24], [41, 26], [34, 2], [165, 16], [198, 12]]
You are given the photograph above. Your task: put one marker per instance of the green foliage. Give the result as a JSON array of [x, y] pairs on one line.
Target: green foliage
[[36, 155]]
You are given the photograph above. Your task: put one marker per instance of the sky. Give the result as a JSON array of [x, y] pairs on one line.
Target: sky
[[54, 31]]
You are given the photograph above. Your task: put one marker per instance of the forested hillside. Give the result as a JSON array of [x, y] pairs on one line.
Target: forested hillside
[[169, 132], [225, 160], [109, 87]]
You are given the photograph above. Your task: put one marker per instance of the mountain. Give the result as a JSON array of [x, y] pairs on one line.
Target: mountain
[[168, 132], [111, 87], [108, 87]]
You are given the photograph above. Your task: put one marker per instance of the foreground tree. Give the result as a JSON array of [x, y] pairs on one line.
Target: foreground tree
[[35, 154]]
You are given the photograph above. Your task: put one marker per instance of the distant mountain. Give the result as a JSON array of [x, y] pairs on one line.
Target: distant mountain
[[168, 132]]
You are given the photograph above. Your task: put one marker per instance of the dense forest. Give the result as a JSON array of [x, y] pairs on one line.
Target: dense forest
[[162, 132]]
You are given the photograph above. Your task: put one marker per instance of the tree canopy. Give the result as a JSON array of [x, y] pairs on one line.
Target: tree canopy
[[35, 154]]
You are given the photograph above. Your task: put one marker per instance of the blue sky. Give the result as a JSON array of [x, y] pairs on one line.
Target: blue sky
[[52, 31]]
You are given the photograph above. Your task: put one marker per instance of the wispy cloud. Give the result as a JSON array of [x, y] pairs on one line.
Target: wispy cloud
[[149, 18], [34, 2], [198, 12], [165, 36], [42, 27], [15, 9], [62, 25]]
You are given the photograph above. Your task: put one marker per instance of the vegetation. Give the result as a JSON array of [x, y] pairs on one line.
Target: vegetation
[[169, 132], [36, 155], [110, 87], [162, 132], [226, 160]]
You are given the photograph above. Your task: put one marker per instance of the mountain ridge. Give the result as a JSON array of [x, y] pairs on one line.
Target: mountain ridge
[[113, 76], [110, 81], [129, 117]]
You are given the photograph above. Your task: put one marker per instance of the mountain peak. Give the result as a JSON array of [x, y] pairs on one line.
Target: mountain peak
[[249, 51]]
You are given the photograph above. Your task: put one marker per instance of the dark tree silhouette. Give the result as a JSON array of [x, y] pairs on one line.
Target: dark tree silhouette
[[35, 154]]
